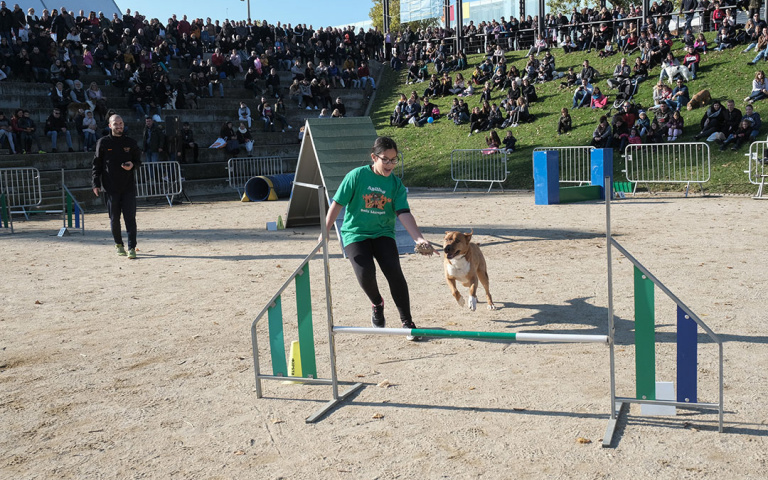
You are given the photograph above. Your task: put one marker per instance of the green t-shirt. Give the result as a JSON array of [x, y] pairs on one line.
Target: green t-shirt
[[371, 203]]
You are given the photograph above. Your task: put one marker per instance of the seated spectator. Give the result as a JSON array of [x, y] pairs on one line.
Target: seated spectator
[[620, 133], [509, 142], [528, 91], [564, 124], [643, 123], [598, 99], [6, 132], [753, 118], [244, 138], [661, 94], [738, 137], [28, 133], [538, 46], [601, 137], [759, 88], [228, 134], [294, 92], [60, 97], [710, 121], [214, 79], [621, 74], [634, 137], [55, 125], [339, 105], [663, 116], [568, 45], [477, 121], [187, 143], [364, 74], [691, 61], [244, 114], [655, 133], [588, 73], [272, 83], [493, 141], [607, 51], [90, 133], [700, 45], [675, 126], [495, 117], [583, 94], [570, 79]]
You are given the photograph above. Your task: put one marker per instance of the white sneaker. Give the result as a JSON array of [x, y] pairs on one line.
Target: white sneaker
[[315, 107], [290, 127], [308, 107]]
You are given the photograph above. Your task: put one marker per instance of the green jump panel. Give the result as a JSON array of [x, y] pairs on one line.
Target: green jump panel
[[625, 187], [306, 334], [645, 338], [276, 340], [4, 214], [580, 194]]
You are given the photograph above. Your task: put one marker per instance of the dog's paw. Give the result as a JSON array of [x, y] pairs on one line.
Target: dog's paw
[[472, 303], [460, 300], [491, 306]]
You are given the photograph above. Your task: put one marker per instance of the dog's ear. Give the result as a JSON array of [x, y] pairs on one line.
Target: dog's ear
[[469, 235]]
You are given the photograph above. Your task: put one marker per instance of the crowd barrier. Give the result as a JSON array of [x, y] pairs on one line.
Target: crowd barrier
[[574, 163], [757, 171], [645, 378], [159, 179], [20, 190], [683, 163], [242, 169], [484, 166]]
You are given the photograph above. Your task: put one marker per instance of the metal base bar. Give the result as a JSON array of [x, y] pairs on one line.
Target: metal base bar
[[314, 381], [670, 403], [611, 428], [511, 336], [332, 404]]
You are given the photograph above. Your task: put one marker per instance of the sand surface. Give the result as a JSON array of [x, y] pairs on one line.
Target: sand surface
[[111, 368]]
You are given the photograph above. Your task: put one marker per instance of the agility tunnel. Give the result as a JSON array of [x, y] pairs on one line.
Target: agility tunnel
[[272, 187], [644, 337]]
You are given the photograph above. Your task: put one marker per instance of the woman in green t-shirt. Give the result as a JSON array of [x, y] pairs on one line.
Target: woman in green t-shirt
[[374, 198]]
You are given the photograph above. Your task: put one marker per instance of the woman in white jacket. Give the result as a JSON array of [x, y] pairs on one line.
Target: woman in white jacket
[[244, 114]]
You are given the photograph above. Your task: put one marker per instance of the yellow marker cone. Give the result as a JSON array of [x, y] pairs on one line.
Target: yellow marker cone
[[245, 198], [294, 365], [280, 225]]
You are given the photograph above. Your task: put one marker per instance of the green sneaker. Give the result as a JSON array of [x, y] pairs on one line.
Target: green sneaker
[[132, 254], [120, 250]]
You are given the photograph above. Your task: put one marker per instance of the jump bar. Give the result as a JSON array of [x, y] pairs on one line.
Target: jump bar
[[520, 337]]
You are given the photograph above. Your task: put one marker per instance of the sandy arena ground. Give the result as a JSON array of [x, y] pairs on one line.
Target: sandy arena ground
[[113, 368]]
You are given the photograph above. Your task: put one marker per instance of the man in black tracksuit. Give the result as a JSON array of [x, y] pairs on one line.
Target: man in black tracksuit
[[116, 158]]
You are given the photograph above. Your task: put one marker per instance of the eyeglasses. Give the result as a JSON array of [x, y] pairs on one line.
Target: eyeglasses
[[388, 161]]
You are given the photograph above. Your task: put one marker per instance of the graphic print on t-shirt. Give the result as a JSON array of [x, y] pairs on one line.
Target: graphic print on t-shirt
[[376, 199]]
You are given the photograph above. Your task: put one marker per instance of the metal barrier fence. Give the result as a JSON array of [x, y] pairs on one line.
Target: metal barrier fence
[[574, 163], [243, 169], [479, 166], [758, 160], [21, 187], [668, 163], [159, 179]]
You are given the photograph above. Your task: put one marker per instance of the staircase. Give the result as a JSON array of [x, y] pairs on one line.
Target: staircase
[[207, 177]]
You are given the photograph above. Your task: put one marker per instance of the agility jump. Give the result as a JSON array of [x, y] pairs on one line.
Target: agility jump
[[644, 336]]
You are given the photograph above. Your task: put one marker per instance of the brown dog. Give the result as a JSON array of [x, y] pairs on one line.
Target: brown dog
[[465, 262], [700, 99]]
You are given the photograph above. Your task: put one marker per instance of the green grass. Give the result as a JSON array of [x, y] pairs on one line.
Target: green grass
[[427, 150]]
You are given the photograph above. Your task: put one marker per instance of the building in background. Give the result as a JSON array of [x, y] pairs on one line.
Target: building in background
[[472, 10]]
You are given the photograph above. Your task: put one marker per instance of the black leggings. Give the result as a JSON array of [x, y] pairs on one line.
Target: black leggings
[[384, 250]]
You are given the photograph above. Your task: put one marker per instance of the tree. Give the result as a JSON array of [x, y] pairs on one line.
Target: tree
[[376, 14]]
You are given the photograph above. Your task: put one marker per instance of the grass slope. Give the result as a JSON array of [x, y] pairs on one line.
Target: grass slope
[[427, 150]]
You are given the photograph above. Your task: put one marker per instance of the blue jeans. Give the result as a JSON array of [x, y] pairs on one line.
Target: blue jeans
[[210, 89], [54, 136], [152, 157]]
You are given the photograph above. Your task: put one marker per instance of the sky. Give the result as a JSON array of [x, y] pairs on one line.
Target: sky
[[316, 12]]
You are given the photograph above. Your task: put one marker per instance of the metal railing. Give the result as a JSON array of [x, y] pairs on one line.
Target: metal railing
[[489, 165], [159, 179], [243, 169], [668, 163], [758, 166], [21, 187], [575, 163]]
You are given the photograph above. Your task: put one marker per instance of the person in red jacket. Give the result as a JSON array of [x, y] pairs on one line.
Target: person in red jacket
[[364, 75]]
